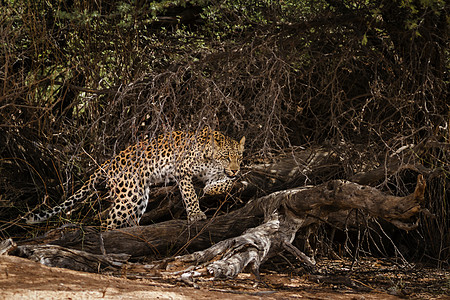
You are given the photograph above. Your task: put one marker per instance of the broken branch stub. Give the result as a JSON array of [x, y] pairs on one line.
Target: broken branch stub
[[337, 195]]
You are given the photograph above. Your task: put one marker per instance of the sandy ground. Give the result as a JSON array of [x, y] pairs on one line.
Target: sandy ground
[[24, 279]]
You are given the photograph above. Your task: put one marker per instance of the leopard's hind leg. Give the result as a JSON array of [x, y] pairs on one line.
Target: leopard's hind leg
[[129, 203]]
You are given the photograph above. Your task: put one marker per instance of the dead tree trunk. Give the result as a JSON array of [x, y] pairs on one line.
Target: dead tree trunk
[[282, 214], [298, 208]]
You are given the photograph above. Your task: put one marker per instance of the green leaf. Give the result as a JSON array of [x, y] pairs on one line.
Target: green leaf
[[364, 40]]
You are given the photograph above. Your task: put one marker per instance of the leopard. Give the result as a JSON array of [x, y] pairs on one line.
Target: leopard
[[176, 156]]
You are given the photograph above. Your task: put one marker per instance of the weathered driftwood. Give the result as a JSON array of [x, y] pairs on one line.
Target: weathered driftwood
[[56, 256], [296, 208], [252, 248], [258, 244]]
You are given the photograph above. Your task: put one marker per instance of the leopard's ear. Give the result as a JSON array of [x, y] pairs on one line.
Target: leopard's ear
[[241, 144]]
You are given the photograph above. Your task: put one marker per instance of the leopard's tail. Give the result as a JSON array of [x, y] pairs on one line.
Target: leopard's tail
[[82, 194]]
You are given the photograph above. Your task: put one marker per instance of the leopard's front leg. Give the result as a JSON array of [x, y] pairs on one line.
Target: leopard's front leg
[[190, 200], [218, 186]]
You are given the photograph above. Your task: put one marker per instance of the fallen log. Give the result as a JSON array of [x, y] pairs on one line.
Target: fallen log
[[252, 248], [262, 228], [56, 256], [228, 258]]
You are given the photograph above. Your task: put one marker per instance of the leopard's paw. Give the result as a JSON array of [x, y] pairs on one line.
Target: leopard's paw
[[194, 217]]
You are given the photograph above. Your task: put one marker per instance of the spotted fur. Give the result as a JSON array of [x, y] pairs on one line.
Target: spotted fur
[[177, 156]]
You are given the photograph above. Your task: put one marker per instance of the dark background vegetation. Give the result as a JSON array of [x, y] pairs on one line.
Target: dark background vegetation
[[81, 80]]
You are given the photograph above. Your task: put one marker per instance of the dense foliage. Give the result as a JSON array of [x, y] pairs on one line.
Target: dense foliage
[[81, 80]]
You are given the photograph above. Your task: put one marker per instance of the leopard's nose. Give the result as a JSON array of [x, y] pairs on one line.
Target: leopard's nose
[[233, 173]]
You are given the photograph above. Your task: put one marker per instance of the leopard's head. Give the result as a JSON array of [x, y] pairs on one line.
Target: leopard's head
[[228, 153]]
